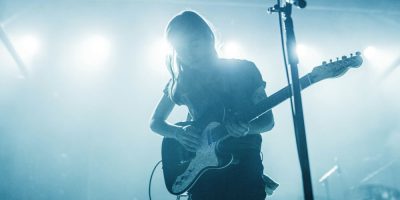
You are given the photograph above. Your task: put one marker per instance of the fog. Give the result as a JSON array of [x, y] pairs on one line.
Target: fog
[[78, 126]]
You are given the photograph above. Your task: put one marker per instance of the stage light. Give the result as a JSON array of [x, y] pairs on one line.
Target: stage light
[[161, 49], [157, 55], [308, 56], [371, 53], [28, 47], [379, 58], [302, 50], [164, 48], [95, 50], [231, 50], [306, 52]]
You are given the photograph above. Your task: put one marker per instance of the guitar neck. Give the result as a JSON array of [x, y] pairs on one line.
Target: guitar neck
[[275, 99]]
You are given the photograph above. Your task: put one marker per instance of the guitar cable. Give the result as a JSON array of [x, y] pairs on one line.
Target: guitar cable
[[151, 177]]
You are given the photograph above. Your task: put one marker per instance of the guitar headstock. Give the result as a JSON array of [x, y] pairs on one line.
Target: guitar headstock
[[334, 69]]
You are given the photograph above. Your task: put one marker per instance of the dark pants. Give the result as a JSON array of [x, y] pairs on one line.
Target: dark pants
[[242, 181]]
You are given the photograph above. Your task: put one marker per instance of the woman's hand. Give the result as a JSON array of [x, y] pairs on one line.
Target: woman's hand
[[237, 128], [189, 137]]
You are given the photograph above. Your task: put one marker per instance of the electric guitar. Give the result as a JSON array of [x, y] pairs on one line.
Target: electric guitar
[[183, 168]]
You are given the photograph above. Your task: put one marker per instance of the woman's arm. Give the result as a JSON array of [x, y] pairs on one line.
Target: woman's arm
[[265, 122], [262, 124], [187, 135], [158, 121]]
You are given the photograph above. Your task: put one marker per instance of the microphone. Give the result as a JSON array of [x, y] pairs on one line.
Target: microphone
[[298, 3]]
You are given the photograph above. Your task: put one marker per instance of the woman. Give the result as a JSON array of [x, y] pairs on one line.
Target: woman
[[209, 86]]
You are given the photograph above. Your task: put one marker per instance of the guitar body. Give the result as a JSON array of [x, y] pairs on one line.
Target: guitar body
[[182, 168]]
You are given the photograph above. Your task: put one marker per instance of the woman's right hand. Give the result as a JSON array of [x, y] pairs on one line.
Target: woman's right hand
[[189, 137]]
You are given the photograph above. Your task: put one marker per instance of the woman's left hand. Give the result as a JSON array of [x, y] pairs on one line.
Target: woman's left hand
[[237, 128]]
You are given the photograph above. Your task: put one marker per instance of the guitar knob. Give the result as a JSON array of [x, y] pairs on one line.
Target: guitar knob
[[344, 57], [351, 55], [324, 63], [337, 58], [358, 53], [330, 60]]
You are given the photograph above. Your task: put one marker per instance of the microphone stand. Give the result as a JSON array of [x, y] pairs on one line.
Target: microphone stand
[[324, 180], [298, 118]]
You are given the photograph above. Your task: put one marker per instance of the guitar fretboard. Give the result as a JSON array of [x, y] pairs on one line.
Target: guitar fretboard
[[266, 105], [275, 99]]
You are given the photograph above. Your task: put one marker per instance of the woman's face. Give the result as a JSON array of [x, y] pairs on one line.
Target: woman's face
[[193, 51]]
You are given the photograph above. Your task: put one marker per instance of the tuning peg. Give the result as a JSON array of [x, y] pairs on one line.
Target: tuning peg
[[344, 57], [324, 63]]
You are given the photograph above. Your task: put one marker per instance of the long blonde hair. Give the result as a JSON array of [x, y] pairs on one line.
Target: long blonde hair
[[186, 24]]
